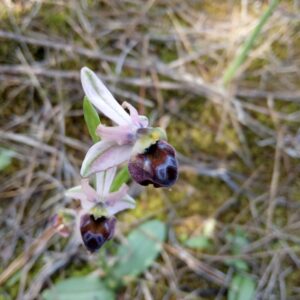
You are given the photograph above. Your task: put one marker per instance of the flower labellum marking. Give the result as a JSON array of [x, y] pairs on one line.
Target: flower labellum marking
[[157, 165], [95, 232]]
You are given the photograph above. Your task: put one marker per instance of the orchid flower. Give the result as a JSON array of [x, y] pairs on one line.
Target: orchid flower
[[151, 159], [95, 220]]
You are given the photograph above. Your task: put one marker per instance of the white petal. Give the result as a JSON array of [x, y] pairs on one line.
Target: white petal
[[100, 96], [104, 181], [100, 177], [137, 120], [109, 177], [133, 113]]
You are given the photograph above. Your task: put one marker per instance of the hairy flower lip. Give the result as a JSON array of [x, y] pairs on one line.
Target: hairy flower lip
[[157, 165], [96, 231]]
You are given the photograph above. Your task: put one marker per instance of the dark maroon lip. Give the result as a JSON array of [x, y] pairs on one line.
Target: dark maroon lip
[[96, 232], [157, 165]]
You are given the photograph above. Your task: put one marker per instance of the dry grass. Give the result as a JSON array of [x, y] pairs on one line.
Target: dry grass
[[239, 146]]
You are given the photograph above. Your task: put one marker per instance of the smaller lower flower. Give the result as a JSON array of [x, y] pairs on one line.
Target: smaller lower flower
[[95, 221]]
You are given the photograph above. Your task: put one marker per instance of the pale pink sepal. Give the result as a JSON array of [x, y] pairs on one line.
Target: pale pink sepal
[[119, 201], [119, 134], [123, 204], [100, 96], [113, 197], [96, 150], [114, 156], [104, 155], [90, 193], [77, 192]]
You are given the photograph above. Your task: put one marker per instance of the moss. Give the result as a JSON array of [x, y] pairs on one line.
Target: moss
[[280, 49], [16, 9], [77, 269], [166, 52], [148, 203], [55, 20], [11, 287], [292, 279], [294, 191]]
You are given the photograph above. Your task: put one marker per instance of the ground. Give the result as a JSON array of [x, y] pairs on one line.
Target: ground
[[238, 144]]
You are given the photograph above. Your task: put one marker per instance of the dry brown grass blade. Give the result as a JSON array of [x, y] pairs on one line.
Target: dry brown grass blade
[[200, 268], [35, 249]]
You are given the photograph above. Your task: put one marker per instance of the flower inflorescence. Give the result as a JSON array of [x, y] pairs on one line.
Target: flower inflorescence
[[151, 160]]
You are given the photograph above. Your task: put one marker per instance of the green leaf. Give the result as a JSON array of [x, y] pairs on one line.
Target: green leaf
[[238, 241], [237, 264], [91, 118], [122, 177], [142, 247], [5, 158], [198, 242], [79, 288], [242, 287]]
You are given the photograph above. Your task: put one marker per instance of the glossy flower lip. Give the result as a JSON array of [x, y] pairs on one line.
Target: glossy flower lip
[[96, 232], [157, 165]]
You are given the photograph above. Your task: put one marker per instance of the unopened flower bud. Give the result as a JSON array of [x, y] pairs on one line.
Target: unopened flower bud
[[63, 221]]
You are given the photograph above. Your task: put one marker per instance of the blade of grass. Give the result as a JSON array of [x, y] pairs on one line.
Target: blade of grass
[[245, 49], [91, 118]]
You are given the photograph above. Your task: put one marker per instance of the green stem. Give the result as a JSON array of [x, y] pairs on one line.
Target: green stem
[[232, 69]]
